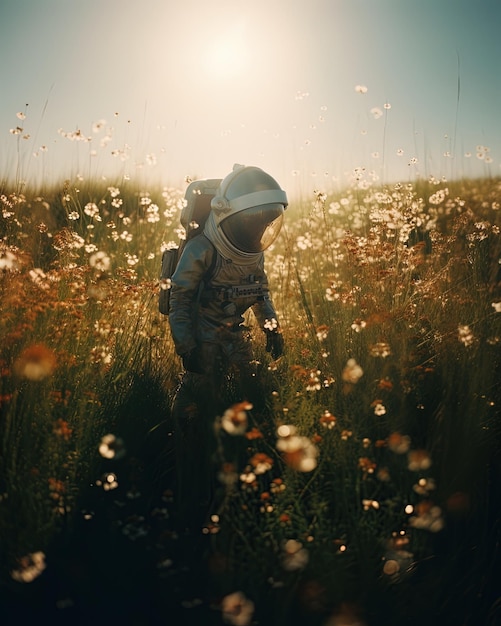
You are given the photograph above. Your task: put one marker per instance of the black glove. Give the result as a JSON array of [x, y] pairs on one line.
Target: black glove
[[274, 343], [191, 361]]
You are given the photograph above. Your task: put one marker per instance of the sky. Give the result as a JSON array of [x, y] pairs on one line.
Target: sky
[[315, 92]]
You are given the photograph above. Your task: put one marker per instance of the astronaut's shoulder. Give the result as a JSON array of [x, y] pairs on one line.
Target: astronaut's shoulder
[[199, 250], [200, 242], [200, 246]]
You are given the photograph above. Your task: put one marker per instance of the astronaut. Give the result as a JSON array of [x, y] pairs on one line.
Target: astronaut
[[219, 277]]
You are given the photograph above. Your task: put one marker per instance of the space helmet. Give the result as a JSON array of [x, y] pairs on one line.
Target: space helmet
[[246, 214]]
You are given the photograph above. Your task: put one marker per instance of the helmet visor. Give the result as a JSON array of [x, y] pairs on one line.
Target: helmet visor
[[254, 229]]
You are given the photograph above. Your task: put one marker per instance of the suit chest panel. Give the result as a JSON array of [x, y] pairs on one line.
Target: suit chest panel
[[228, 274]]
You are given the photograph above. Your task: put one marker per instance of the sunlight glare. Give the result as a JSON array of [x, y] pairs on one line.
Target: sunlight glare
[[228, 57]]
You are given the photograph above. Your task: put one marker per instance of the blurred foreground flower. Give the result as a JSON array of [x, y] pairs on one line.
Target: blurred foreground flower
[[346, 615], [227, 475], [295, 557], [100, 261], [297, 451], [111, 447], [8, 260], [30, 567], [35, 362], [418, 460], [399, 443], [234, 420], [465, 335], [352, 372], [397, 563], [381, 349], [428, 516], [107, 482], [237, 609]]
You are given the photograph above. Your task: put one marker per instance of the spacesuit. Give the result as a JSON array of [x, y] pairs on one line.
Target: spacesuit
[[219, 277]]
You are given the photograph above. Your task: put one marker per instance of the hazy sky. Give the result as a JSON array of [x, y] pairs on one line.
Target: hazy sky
[[307, 89]]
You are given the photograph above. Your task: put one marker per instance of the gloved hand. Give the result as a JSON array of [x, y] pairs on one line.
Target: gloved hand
[[274, 343], [191, 361]]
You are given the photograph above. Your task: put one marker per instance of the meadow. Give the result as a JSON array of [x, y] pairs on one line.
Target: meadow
[[368, 490]]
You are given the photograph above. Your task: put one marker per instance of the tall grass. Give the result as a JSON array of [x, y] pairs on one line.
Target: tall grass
[[369, 487]]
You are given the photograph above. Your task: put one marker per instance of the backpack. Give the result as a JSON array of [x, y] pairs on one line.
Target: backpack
[[194, 214]]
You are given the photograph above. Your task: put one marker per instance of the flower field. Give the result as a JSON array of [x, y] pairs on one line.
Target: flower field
[[365, 491]]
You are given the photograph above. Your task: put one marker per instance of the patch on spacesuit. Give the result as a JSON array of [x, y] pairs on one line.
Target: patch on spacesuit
[[242, 291]]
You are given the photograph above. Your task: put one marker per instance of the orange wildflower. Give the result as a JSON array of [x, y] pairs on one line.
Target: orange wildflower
[[6, 398], [234, 420], [399, 443], [261, 462], [254, 433], [366, 465], [62, 429], [328, 420], [56, 488], [385, 383], [35, 362]]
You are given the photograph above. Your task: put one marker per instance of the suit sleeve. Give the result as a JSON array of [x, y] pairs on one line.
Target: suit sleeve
[[264, 309], [186, 283]]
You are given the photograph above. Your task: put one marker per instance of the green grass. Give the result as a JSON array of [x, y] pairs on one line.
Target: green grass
[[398, 519]]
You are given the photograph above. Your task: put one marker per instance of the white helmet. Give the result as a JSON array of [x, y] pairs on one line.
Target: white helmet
[[247, 214]]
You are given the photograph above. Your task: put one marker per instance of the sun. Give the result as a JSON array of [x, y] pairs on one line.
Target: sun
[[228, 57]]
